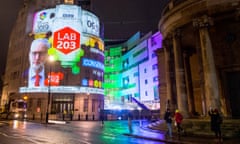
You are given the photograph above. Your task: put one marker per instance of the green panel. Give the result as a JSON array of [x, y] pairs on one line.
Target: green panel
[[113, 65], [115, 51]]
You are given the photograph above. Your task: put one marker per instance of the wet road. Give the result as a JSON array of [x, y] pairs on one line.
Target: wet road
[[75, 132]]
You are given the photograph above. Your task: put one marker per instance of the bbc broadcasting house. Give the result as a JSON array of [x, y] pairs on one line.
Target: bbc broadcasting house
[[85, 78]]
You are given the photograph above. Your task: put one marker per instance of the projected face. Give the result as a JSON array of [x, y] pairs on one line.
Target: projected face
[[38, 54]]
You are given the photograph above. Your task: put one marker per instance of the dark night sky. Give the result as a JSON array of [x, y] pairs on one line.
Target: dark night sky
[[121, 18], [8, 14]]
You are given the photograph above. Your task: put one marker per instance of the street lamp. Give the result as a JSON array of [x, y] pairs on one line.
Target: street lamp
[[87, 105], [50, 59]]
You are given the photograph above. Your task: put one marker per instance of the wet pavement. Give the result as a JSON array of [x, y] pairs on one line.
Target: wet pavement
[[139, 130], [157, 135]]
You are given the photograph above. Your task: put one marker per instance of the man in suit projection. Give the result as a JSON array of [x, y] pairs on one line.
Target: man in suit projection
[[37, 58]]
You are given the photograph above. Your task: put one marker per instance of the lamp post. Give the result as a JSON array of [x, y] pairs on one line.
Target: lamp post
[[50, 59], [87, 105]]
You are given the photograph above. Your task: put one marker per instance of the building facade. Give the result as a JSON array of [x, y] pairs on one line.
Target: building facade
[[201, 52], [131, 73], [73, 84]]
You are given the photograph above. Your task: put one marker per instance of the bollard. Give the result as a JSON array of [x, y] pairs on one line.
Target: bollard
[[41, 116], [33, 117]]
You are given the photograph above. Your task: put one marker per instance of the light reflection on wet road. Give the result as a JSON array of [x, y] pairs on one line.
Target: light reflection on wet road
[[75, 132]]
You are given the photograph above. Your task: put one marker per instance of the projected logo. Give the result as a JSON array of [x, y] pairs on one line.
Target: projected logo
[[66, 48], [66, 40], [53, 79], [43, 15]]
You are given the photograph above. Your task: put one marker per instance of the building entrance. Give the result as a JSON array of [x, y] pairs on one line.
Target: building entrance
[[233, 84], [63, 104]]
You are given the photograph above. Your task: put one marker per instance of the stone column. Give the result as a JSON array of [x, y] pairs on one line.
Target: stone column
[[182, 99], [162, 81], [188, 78], [167, 69], [209, 71], [201, 75], [170, 100]]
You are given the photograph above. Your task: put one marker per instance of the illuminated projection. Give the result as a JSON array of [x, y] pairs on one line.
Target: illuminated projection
[[71, 36], [66, 48], [131, 78]]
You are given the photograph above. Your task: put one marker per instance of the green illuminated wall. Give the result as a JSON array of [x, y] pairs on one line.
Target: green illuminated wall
[[112, 75], [131, 71]]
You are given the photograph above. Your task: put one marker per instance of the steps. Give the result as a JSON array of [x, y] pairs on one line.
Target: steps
[[201, 127]]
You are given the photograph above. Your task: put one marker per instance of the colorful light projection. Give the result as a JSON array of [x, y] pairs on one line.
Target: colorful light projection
[[71, 27], [133, 73], [112, 76], [66, 48], [53, 79], [73, 34]]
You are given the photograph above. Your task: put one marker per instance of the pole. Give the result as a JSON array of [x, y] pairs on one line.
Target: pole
[[49, 93]]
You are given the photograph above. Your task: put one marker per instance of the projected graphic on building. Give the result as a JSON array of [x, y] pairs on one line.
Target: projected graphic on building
[[73, 41]]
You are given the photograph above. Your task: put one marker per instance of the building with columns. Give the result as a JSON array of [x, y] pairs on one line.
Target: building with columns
[[201, 57]]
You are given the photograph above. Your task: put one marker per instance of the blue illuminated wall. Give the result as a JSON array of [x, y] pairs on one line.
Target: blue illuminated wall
[[131, 71]]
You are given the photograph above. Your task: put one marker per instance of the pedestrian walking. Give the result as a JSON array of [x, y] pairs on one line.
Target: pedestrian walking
[[168, 119], [216, 121], [102, 117], [130, 122], [178, 120]]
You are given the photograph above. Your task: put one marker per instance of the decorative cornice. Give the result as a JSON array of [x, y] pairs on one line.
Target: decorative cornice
[[204, 21]]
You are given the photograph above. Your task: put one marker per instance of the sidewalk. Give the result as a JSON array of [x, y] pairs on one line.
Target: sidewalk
[[158, 135]]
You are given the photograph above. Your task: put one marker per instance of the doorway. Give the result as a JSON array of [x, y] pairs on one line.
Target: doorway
[[63, 104], [233, 85]]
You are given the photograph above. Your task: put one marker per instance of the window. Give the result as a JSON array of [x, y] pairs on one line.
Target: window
[[39, 102], [139, 52], [135, 74], [146, 81], [30, 104], [153, 55], [85, 105], [93, 105], [145, 70], [156, 94], [155, 66], [125, 63], [155, 79], [146, 93], [122, 99], [125, 81], [153, 41], [14, 75], [69, 1]]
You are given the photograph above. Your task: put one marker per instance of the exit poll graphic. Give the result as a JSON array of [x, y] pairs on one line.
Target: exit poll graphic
[[75, 44]]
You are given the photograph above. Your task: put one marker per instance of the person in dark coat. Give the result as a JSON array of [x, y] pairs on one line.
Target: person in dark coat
[[216, 121], [168, 119]]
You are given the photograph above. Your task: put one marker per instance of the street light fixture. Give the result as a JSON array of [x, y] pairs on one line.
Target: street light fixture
[[87, 105], [50, 60]]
